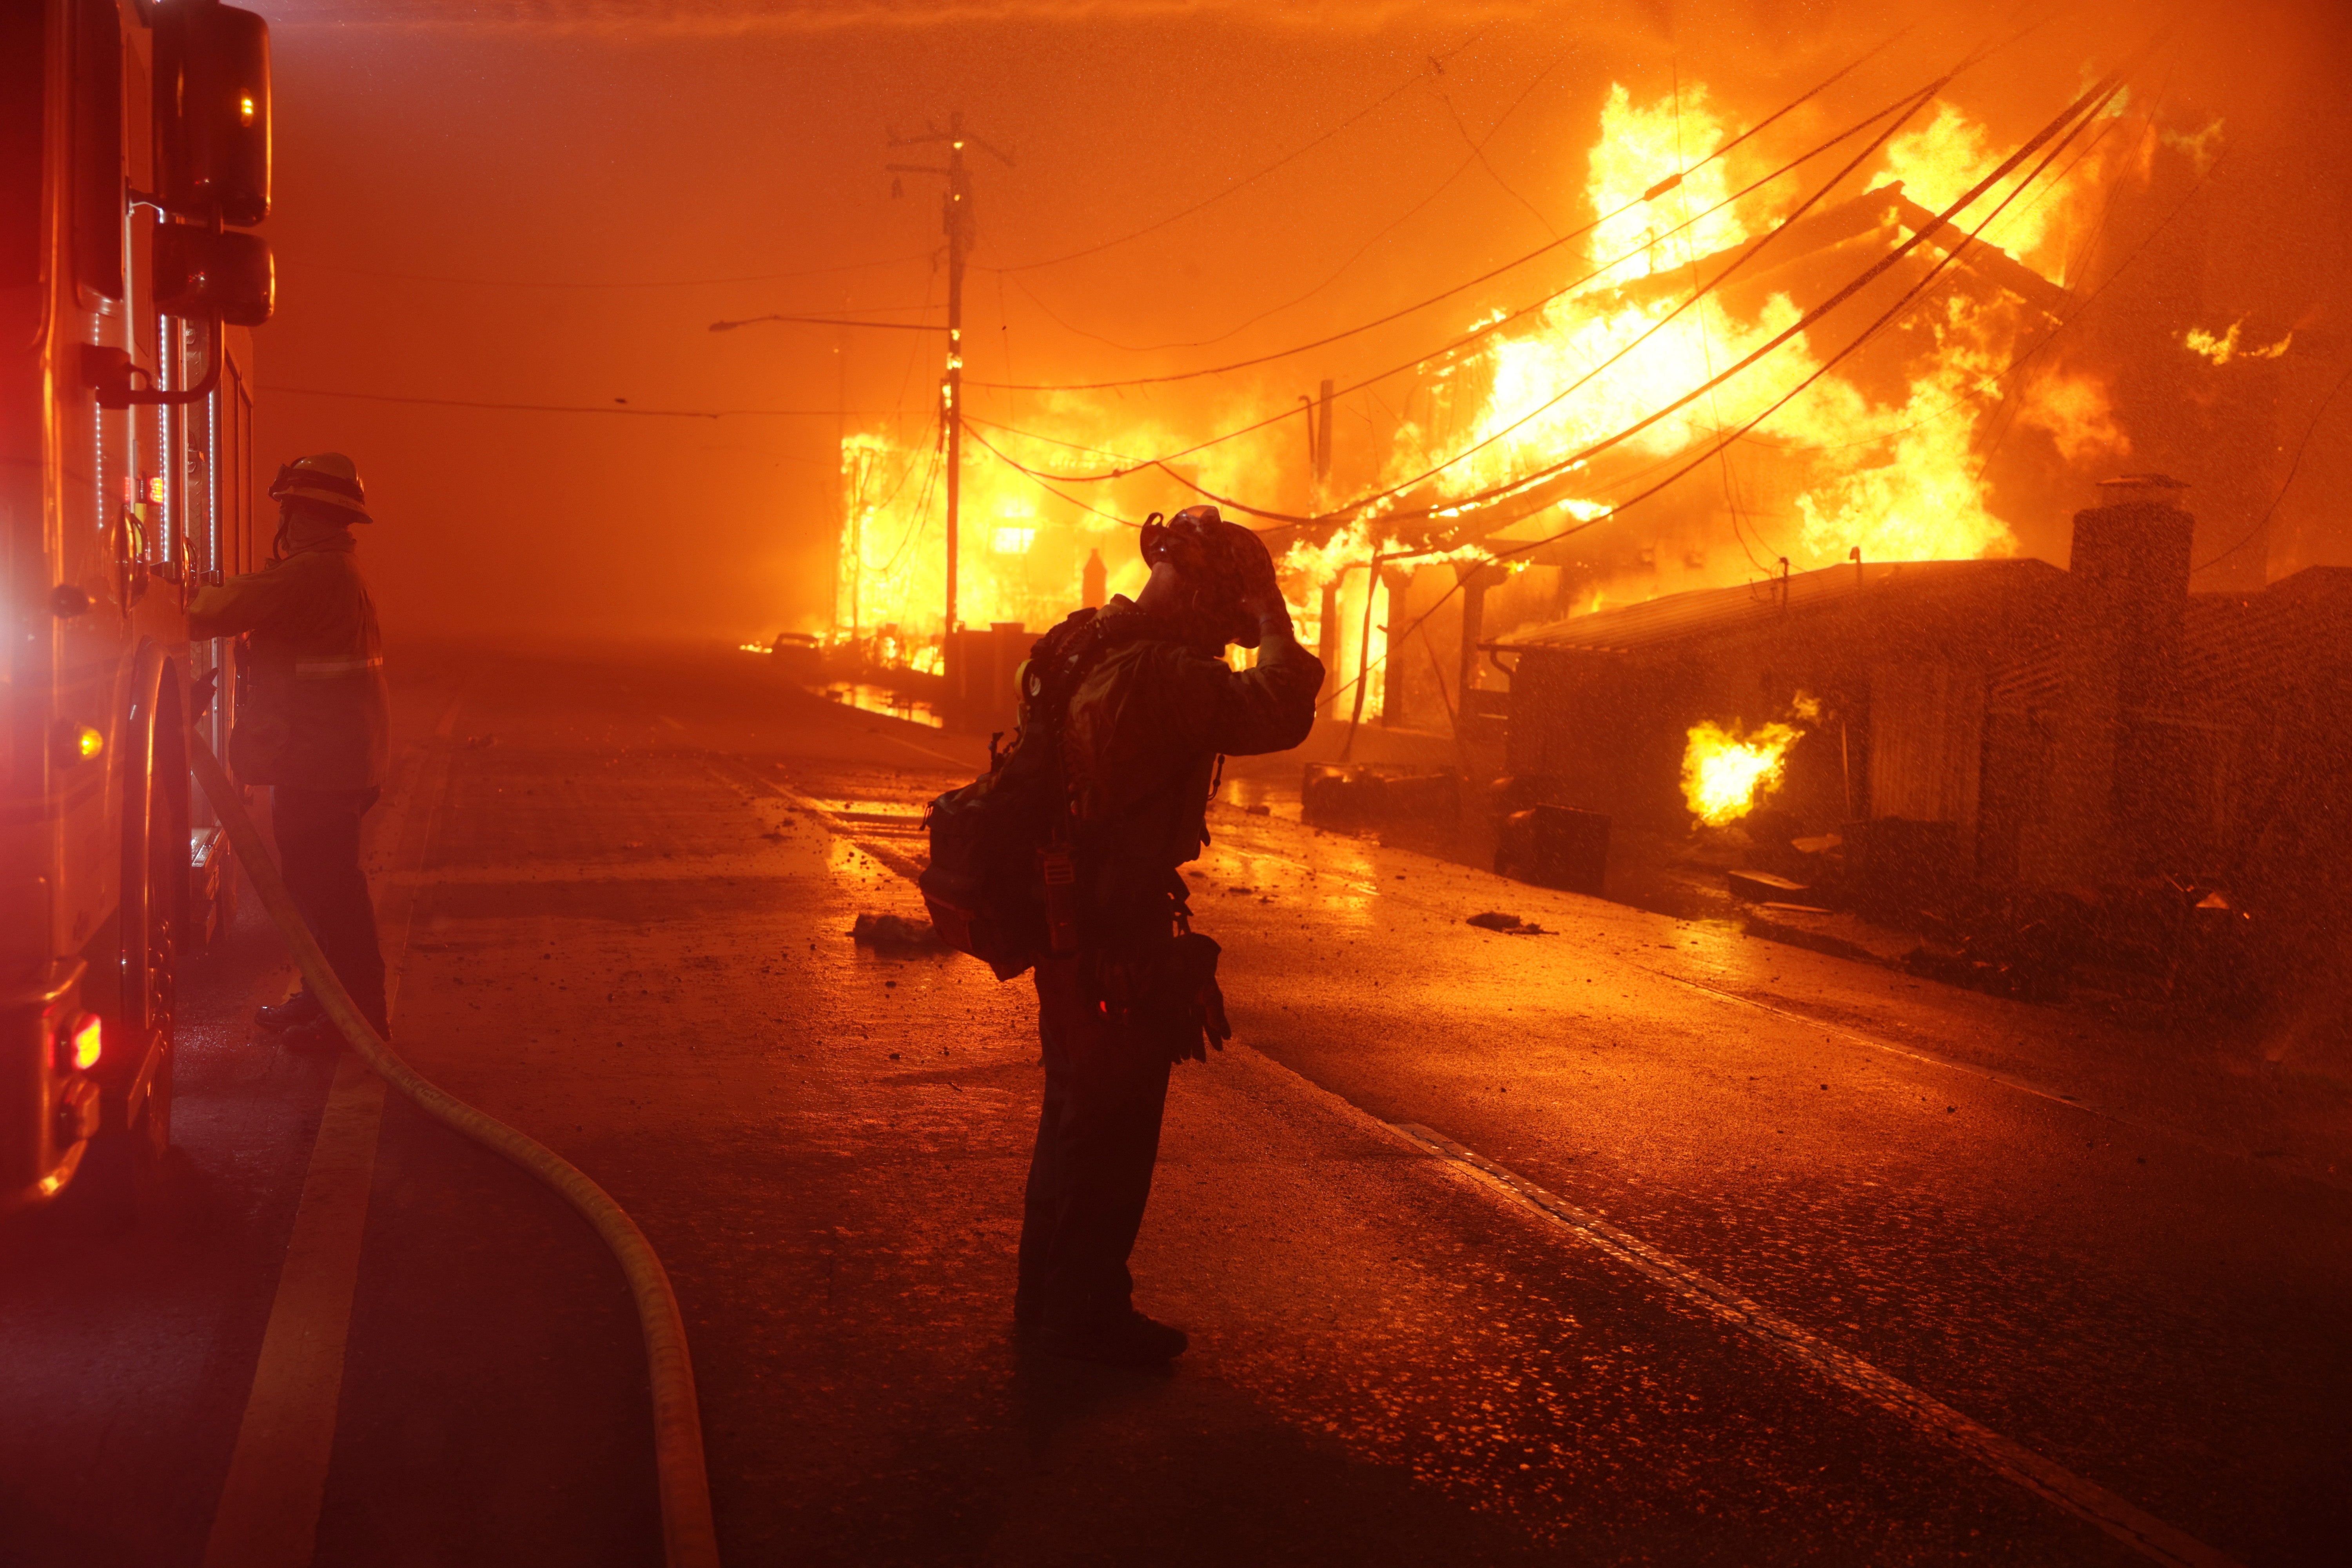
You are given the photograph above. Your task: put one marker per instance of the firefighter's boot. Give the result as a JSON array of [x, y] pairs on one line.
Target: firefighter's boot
[[1126, 1338], [299, 1008]]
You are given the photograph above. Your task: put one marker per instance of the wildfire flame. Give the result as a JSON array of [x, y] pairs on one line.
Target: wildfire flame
[[2223, 348], [1886, 455], [1725, 770]]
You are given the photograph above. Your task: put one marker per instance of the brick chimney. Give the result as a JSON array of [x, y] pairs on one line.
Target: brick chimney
[[2129, 587], [2130, 568]]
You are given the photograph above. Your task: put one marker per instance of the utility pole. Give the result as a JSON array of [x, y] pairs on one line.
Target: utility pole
[[841, 499], [1318, 491], [955, 215]]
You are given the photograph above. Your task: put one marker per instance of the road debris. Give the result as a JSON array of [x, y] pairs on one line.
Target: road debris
[[1510, 925], [893, 932]]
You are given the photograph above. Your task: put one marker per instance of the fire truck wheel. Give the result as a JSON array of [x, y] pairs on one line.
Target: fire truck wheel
[[120, 1181]]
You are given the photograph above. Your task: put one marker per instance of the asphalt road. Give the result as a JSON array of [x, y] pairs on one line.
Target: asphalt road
[[1699, 1249]]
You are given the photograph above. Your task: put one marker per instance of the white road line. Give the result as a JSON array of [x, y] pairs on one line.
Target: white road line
[[2142, 1531], [736, 772], [1999, 1079], [2086, 1500], [268, 1512], [1871, 1042]]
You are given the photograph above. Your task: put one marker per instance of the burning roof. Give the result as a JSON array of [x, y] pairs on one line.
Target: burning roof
[[1801, 596], [1823, 333]]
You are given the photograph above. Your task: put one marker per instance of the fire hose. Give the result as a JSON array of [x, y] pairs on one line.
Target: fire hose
[[688, 1538]]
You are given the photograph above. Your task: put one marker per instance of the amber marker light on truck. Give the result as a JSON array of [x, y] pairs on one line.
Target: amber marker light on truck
[[245, 109], [81, 1044], [74, 742], [88, 1041]]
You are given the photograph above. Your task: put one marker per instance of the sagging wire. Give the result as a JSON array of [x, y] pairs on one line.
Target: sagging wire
[[616, 407], [1989, 385], [1536, 254], [2284, 485], [1436, 62], [650, 283], [2017, 362], [2097, 95], [922, 510], [1705, 348], [1908, 104], [1035, 478], [2101, 91], [1476, 155]]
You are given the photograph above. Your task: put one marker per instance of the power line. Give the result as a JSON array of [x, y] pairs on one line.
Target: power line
[[1478, 147], [620, 408], [1541, 251], [1355, 256], [2293, 469], [2095, 97], [1436, 64], [1907, 103], [2092, 99], [648, 283], [1035, 479], [1987, 385], [829, 322], [2112, 84], [1725, 438]]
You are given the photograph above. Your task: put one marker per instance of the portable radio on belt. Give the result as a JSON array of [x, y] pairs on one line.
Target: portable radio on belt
[[1061, 874]]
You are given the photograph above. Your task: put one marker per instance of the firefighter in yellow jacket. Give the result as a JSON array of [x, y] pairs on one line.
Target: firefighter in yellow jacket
[[315, 724]]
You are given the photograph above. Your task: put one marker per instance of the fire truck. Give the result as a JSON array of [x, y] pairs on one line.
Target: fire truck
[[134, 159]]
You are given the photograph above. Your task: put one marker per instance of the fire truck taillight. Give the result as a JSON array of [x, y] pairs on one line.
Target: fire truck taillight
[[80, 1048]]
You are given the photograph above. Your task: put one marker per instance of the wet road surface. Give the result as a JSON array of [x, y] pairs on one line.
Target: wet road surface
[[619, 895]]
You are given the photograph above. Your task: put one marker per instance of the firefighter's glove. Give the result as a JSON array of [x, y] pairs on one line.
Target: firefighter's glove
[[1196, 963]]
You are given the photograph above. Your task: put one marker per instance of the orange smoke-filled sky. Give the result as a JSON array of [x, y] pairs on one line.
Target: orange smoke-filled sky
[[550, 203]]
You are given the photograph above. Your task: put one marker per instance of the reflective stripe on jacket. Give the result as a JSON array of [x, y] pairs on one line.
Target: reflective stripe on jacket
[[316, 715]]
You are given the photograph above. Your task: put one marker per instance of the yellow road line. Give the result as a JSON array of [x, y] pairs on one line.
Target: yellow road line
[[268, 1512]]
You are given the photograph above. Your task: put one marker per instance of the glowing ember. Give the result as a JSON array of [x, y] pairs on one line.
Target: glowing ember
[[2224, 348], [1724, 771]]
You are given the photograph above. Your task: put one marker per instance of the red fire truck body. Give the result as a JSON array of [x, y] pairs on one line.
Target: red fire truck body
[[133, 146]]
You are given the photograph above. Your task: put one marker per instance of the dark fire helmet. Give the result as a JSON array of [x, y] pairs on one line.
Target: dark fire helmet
[[1222, 558]]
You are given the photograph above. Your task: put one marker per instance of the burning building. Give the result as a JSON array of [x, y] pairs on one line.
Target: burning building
[[1835, 337], [1753, 488], [1975, 730]]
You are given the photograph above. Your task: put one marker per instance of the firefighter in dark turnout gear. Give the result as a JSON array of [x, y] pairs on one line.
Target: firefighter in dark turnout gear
[[1146, 725], [315, 724]]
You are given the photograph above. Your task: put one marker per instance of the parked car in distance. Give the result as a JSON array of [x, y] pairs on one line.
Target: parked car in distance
[[798, 654]]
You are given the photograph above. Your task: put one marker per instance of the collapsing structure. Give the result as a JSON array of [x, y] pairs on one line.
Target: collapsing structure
[[1967, 732]]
